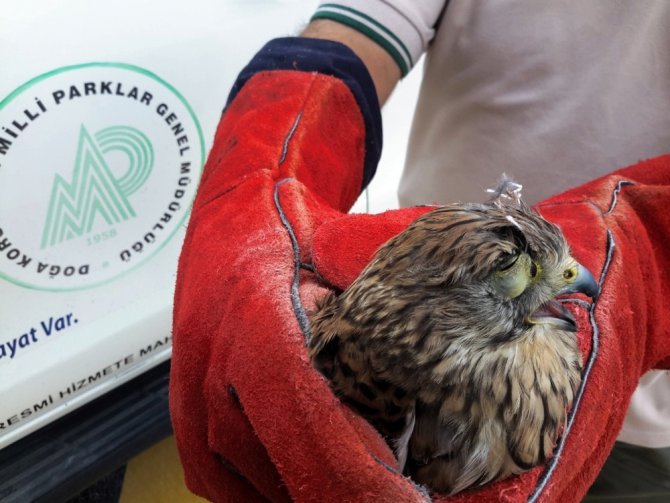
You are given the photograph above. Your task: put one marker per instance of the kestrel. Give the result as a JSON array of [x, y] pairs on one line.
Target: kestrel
[[453, 344]]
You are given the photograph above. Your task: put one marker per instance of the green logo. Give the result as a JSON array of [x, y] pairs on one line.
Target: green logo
[[99, 166], [94, 196]]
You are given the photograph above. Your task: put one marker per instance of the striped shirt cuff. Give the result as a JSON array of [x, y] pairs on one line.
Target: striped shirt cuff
[[398, 27]]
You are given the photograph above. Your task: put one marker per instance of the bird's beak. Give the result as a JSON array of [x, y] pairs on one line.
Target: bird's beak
[[582, 282], [579, 280]]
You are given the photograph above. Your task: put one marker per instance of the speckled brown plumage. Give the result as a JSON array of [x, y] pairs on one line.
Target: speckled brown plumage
[[451, 345]]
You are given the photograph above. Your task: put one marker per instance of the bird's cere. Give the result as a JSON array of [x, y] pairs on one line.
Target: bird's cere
[[581, 281]]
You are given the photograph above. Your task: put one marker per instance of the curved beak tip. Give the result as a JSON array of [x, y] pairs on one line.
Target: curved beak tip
[[588, 284], [596, 294]]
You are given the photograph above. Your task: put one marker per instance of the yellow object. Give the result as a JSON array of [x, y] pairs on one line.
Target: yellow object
[[156, 476]]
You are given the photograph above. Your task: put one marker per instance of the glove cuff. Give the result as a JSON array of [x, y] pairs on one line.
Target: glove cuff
[[331, 58]]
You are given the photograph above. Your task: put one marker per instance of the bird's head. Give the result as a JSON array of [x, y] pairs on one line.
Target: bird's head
[[487, 269], [534, 267]]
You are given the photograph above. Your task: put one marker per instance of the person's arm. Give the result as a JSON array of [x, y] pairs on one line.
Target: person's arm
[[383, 69]]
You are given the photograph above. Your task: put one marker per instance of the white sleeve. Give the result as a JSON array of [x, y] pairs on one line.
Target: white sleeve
[[646, 422], [402, 27]]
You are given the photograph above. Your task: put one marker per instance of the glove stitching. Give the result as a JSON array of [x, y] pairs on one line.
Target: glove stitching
[[284, 151], [308, 267], [419, 488], [260, 173], [300, 312], [229, 467], [303, 322], [615, 194], [296, 301], [225, 462], [595, 348]]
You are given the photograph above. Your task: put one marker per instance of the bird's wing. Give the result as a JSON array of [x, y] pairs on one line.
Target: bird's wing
[[401, 446], [443, 451], [453, 451]]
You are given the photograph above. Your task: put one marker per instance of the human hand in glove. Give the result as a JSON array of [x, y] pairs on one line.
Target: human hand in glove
[[269, 236]]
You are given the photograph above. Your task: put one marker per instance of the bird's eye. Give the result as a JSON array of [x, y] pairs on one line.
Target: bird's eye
[[508, 262], [514, 275]]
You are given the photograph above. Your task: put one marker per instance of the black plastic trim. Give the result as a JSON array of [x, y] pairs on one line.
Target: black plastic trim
[[68, 455]]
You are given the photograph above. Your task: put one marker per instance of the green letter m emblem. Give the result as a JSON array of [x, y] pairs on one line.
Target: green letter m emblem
[[93, 191]]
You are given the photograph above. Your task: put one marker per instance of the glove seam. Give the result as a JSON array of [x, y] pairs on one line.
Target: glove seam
[[296, 302], [551, 466], [301, 314], [259, 173]]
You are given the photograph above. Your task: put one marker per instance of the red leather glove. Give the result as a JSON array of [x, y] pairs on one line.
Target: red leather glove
[[618, 226], [253, 420]]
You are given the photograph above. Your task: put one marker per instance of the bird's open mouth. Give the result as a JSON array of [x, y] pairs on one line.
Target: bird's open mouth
[[554, 313]]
